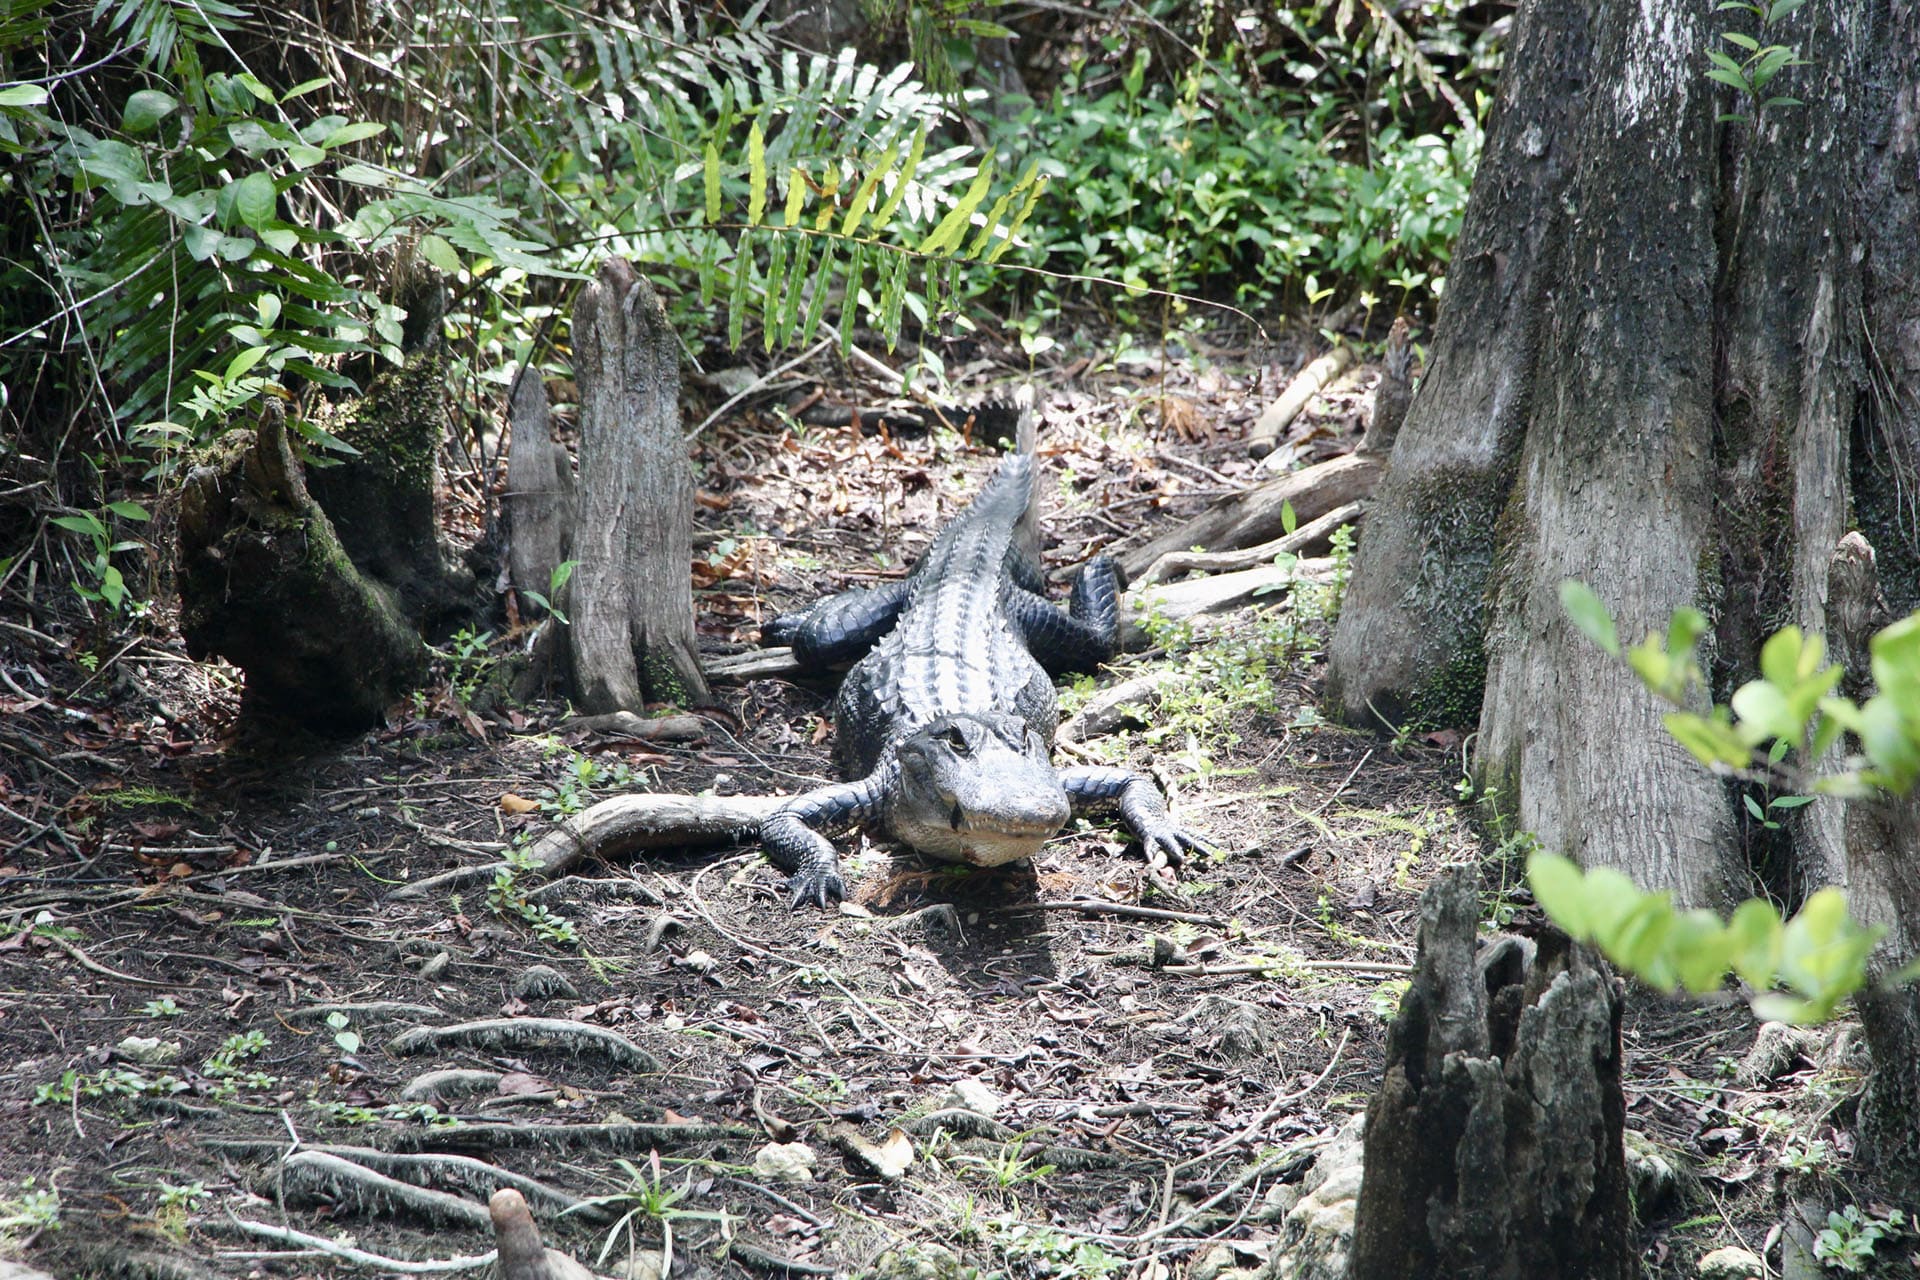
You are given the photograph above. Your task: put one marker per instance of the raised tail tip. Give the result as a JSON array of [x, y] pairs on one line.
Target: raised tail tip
[[1026, 437]]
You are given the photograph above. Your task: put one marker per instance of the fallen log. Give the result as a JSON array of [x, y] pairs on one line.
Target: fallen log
[[1177, 563], [1306, 384], [1186, 601], [1256, 515]]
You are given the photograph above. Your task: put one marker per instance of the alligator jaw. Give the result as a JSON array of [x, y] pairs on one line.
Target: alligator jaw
[[974, 789]]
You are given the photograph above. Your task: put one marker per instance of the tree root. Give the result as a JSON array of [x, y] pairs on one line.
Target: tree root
[[617, 1139], [476, 1177], [368, 1011], [309, 1176], [1257, 514], [451, 1082], [494, 1034]]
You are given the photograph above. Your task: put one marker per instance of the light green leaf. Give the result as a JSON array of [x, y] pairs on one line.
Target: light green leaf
[[24, 95], [243, 361], [756, 175], [713, 184], [796, 195], [440, 254], [1589, 615], [355, 132], [902, 179], [254, 199], [129, 511], [85, 522], [1289, 520], [1560, 888]]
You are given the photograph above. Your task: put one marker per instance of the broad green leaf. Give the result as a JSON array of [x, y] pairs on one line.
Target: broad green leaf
[[1588, 614], [1753, 938], [817, 304], [1733, 78], [1289, 520], [24, 95], [955, 223], [129, 511], [146, 108], [1746, 42], [306, 87], [358, 131], [243, 361], [776, 283], [796, 288], [85, 522], [1560, 888], [713, 184], [850, 297], [1764, 714], [254, 199], [756, 175], [440, 254], [1019, 219], [983, 30]]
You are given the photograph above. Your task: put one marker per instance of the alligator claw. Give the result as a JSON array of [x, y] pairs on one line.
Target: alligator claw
[[820, 886]]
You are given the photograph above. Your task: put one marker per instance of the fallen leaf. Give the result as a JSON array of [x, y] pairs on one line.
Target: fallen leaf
[[518, 1084], [511, 803]]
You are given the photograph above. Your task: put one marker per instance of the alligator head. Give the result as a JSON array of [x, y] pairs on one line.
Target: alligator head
[[977, 789]]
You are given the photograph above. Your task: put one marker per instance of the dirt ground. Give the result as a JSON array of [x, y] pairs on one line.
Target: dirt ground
[[204, 980]]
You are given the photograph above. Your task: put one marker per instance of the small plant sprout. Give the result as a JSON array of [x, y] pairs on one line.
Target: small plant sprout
[[648, 1198], [348, 1040]]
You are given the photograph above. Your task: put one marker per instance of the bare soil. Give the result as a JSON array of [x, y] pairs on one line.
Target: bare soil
[[161, 881]]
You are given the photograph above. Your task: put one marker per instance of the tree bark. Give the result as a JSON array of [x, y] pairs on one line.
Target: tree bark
[[539, 502], [266, 583], [1674, 356], [631, 600], [1494, 1145]]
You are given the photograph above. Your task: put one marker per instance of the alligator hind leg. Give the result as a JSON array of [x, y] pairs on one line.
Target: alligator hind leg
[[1141, 808], [840, 628], [1083, 637]]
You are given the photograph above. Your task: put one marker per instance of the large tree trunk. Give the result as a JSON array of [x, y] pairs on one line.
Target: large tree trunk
[[1647, 375], [631, 600], [1678, 358], [1494, 1145]]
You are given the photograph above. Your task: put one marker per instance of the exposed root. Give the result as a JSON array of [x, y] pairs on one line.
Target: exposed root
[[1181, 601], [613, 1139], [761, 1260], [960, 1122], [1178, 563], [494, 1034], [316, 1176], [368, 1011], [452, 1082], [475, 1177]]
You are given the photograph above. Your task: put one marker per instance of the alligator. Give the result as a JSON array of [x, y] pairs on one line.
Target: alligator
[[943, 729]]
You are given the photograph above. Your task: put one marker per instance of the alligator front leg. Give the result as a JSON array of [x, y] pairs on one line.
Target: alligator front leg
[[839, 628], [792, 834], [1141, 807]]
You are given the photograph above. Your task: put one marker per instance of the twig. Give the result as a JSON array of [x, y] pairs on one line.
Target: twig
[[1315, 966], [1280, 1100], [1094, 907], [88, 963]]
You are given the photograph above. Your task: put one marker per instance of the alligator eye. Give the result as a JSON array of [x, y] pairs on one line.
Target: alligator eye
[[956, 739]]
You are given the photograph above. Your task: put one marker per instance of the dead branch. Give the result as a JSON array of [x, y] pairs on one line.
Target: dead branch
[[1306, 384], [1257, 514], [1176, 563], [1106, 711], [1183, 601], [347, 1253], [754, 664], [625, 724]]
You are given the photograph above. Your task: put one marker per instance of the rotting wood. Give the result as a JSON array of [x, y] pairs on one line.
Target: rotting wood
[[1304, 386], [1257, 514], [526, 1033], [625, 724], [1184, 601], [1494, 1141], [1176, 563], [1393, 393]]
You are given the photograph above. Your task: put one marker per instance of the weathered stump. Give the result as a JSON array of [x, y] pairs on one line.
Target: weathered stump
[[631, 599], [538, 503], [266, 584], [1494, 1147]]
